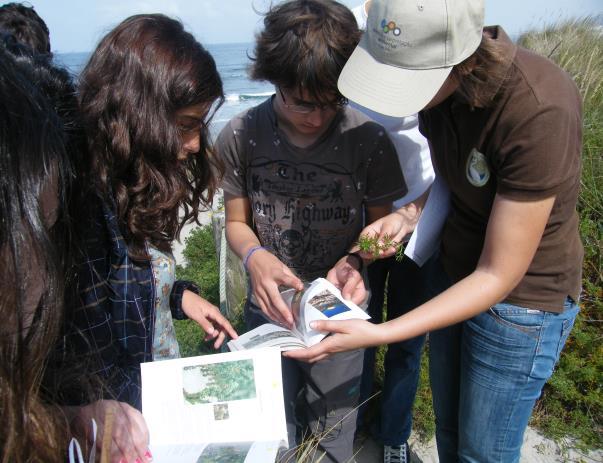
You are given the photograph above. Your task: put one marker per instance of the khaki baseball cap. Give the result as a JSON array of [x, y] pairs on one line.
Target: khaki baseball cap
[[408, 50]]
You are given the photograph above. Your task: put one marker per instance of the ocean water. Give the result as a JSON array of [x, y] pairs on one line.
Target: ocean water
[[232, 62]]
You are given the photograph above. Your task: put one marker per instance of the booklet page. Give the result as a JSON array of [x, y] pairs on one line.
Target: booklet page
[[221, 398], [323, 301], [267, 335], [229, 452]]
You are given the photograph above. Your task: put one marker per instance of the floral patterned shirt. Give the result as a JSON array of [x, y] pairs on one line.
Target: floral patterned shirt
[[165, 345]]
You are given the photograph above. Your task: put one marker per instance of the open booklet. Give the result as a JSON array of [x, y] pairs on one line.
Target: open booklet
[[215, 408], [321, 300]]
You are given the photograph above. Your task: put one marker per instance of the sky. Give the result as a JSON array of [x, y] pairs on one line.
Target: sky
[[77, 25]]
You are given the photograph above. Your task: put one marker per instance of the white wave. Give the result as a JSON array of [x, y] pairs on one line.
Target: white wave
[[247, 96]]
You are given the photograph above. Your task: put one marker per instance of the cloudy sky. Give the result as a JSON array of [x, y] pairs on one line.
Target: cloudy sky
[[77, 25]]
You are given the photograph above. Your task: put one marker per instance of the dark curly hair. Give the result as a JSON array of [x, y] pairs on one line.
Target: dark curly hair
[[139, 76], [25, 24], [304, 45]]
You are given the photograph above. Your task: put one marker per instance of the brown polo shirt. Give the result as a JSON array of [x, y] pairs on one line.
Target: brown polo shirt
[[526, 146]]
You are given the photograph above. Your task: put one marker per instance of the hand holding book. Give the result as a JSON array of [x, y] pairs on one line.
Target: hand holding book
[[321, 300], [267, 273], [345, 335]]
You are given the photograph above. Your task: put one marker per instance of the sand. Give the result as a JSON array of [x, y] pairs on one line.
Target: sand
[[536, 449]]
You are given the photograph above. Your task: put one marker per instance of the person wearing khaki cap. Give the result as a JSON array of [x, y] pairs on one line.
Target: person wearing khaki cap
[[504, 127], [391, 425]]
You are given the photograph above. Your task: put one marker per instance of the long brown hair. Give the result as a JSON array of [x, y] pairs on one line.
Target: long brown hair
[[33, 177], [482, 75], [140, 74]]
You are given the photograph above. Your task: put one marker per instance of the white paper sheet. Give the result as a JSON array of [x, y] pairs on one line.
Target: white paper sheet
[[425, 240]]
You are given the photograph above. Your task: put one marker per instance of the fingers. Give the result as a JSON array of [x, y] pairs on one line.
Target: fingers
[[207, 326], [346, 335], [279, 308], [387, 252], [288, 279], [359, 293], [129, 435], [398, 232], [389, 229], [313, 354], [267, 274], [348, 280], [304, 356], [209, 318], [219, 324], [373, 229], [310, 355], [226, 326], [264, 300], [219, 340], [138, 431], [270, 300], [328, 326], [353, 287], [334, 277]]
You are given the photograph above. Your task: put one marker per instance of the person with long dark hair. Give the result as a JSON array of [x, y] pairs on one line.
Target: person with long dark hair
[[146, 96], [34, 172]]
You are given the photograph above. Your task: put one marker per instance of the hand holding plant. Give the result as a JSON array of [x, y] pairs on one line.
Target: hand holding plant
[[384, 237], [379, 247]]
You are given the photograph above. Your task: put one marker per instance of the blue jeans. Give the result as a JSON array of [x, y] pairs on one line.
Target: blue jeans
[[486, 374], [406, 289]]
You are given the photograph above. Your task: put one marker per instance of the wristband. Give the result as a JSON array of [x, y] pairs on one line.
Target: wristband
[[358, 258], [250, 253], [176, 297]]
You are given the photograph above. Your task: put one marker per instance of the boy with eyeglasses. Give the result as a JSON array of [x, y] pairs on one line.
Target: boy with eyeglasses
[[304, 172]]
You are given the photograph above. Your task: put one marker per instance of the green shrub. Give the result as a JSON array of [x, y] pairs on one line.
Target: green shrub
[[201, 266]]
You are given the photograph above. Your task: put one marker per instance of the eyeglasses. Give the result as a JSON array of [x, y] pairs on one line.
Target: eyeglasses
[[307, 108], [188, 125]]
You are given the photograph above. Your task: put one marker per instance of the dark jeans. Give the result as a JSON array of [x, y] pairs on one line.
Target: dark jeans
[[321, 399], [406, 289]]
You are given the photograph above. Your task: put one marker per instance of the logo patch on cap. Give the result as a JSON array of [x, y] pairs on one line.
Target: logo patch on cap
[[388, 26], [477, 170]]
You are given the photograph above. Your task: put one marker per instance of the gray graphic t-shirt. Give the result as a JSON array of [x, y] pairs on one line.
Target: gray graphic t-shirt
[[307, 203]]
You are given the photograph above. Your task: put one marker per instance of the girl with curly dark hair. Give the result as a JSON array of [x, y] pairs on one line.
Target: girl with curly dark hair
[[146, 96]]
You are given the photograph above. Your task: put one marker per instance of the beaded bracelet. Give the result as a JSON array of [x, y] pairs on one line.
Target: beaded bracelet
[[250, 253]]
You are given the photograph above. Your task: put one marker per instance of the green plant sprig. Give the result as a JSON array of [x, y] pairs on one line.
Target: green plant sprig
[[375, 246]]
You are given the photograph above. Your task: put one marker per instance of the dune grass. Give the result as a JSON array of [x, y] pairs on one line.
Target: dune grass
[[572, 401]]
